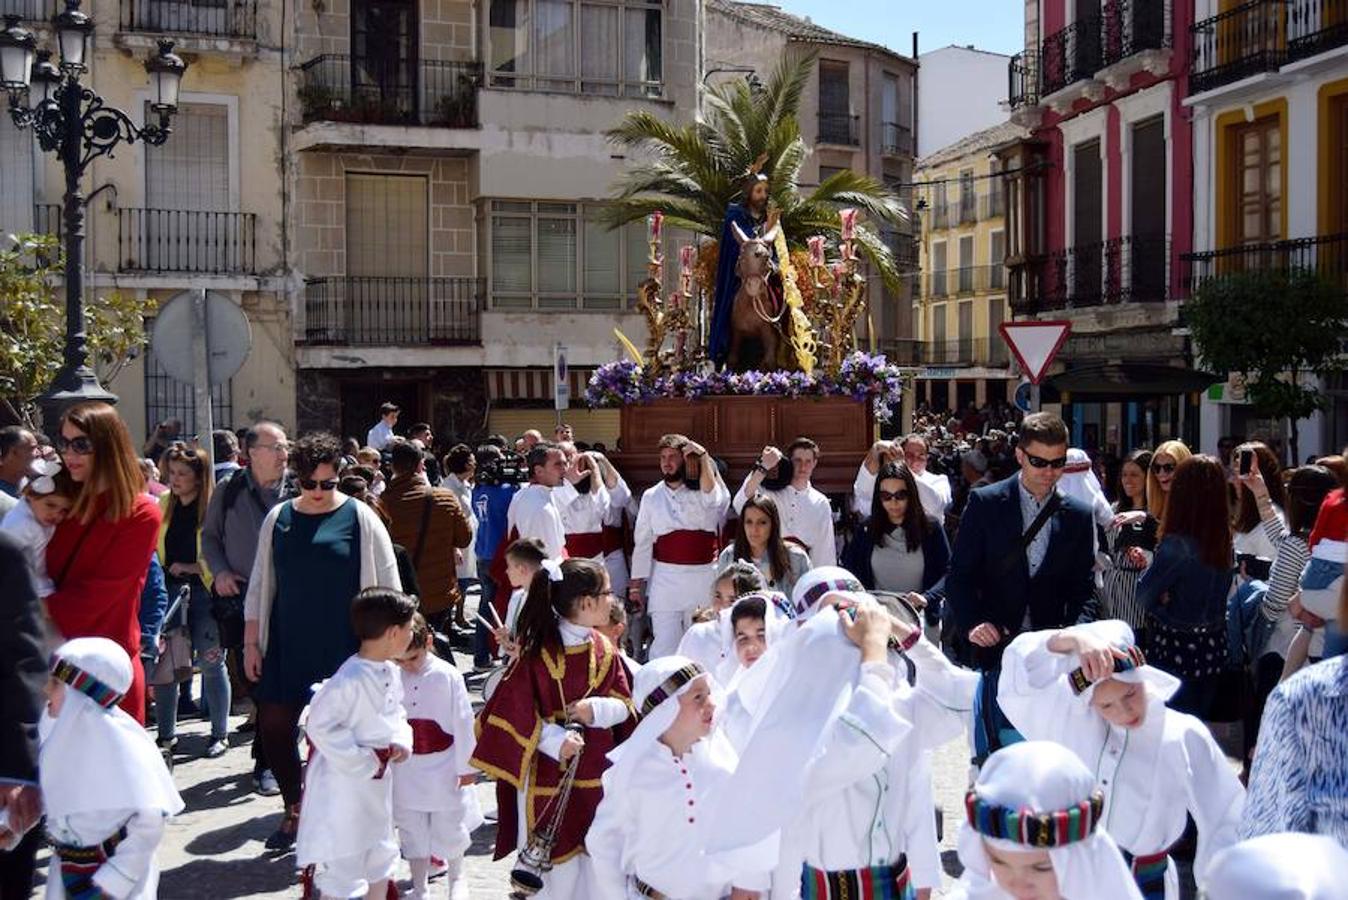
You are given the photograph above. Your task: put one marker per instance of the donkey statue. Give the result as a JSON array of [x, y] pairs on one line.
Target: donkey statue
[[758, 311]]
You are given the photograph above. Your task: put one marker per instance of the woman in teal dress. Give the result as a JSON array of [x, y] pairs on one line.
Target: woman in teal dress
[[314, 554]]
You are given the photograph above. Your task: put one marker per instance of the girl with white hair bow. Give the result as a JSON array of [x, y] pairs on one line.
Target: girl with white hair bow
[[105, 789], [1033, 830], [1089, 689]]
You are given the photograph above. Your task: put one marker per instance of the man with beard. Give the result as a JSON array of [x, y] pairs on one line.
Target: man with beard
[[582, 500], [754, 219], [674, 558]]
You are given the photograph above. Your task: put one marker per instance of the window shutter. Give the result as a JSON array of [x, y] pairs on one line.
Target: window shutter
[[16, 187]]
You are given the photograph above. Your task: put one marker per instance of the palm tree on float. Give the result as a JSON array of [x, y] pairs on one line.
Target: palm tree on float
[[695, 171]]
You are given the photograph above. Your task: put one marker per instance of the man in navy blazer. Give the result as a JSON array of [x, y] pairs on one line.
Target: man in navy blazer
[[997, 585]]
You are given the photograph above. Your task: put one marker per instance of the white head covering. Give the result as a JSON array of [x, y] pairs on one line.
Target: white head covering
[[818, 582], [93, 756], [1042, 777], [657, 683], [1083, 485], [1279, 867], [1159, 685], [775, 624]]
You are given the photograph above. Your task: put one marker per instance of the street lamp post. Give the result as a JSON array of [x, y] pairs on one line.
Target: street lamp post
[[72, 121]]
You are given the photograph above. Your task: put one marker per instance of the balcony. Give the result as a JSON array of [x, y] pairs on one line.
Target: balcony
[[187, 241], [31, 11], [896, 139], [963, 281], [351, 310], [1326, 254], [839, 128], [369, 91], [1022, 80], [211, 18], [968, 209], [1130, 27], [1314, 26], [1072, 55], [963, 352], [1106, 273], [991, 205], [942, 214], [1238, 43]]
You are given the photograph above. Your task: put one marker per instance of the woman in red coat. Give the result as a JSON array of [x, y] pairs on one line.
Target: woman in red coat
[[99, 556]]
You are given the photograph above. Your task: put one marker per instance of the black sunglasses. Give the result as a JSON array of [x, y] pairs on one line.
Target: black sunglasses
[[1040, 463], [81, 446], [327, 484], [887, 497], [1163, 468]]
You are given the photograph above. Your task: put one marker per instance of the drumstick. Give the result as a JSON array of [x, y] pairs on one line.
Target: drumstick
[[497, 619], [485, 624]]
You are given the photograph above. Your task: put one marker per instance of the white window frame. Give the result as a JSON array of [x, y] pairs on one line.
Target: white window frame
[[530, 81], [994, 263]]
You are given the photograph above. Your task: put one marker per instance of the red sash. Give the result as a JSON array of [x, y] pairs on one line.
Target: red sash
[[429, 737], [613, 538], [686, 548], [588, 544]]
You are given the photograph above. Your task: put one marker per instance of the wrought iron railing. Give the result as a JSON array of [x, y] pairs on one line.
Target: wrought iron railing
[[393, 311], [1314, 26], [33, 11], [186, 240], [1105, 273], [960, 352], [1132, 26], [219, 18], [1244, 41], [1071, 55], [896, 139], [1022, 80], [963, 280], [338, 88], [943, 214], [992, 203], [1326, 254], [839, 128]]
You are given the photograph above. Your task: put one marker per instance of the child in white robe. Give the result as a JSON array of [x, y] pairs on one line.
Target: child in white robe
[[752, 624], [1288, 866], [357, 727], [704, 642], [648, 834], [106, 792], [1088, 688], [434, 803], [46, 501], [1033, 829]]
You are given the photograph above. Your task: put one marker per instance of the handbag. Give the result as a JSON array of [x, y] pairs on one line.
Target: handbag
[[228, 615]]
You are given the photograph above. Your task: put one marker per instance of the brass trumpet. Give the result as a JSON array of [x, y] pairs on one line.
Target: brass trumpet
[[535, 860]]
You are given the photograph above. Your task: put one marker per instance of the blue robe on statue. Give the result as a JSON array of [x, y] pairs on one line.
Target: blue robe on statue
[[727, 282]]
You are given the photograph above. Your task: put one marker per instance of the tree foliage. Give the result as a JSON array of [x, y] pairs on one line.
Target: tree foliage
[[1271, 326], [33, 323], [691, 173]]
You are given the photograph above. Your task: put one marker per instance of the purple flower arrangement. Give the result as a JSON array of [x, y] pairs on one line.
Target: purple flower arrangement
[[863, 375]]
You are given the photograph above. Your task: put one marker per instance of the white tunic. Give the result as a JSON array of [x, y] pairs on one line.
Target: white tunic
[[1151, 775], [347, 810], [33, 537], [672, 587], [703, 643], [582, 513], [619, 500], [132, 871], [533, 514], [653, 828], [806, 515], [933, 490], [429, 782]]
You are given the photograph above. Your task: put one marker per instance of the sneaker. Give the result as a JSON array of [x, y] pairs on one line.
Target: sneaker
[[167, 745], [438, 868], [283, 838], [217, 748], [264, 783]]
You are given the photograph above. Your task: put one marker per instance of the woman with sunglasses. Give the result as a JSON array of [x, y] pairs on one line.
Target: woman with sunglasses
[[314, 553], [99, 557], [1164, 460], [900, 549]]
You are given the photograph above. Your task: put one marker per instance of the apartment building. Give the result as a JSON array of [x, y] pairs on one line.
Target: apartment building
[[961, 289], [1099, 212], [858, 112], [1268, 97], [204, 210]]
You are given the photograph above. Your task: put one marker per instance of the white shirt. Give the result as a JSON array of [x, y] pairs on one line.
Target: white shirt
[[620, 500], [132, 872], [806, 515], [379, 436], [429, 782], [464, 492], [347, 809], [932, 489], [674, 587], [582, 513], [33, 537], [533, 514], [1152, 775]]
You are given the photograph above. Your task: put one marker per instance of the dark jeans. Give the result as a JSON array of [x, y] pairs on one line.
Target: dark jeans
[[481, 637], [278, 730]]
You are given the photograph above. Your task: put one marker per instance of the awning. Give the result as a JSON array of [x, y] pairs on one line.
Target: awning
[[1123, 381]]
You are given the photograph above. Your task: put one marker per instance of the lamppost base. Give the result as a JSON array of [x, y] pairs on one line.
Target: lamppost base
[[70, 386]]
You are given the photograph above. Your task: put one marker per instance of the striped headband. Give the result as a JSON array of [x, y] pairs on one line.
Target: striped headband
[[814, 592], [670, 686], [85, 683], [1134, 659], [1035, 829]]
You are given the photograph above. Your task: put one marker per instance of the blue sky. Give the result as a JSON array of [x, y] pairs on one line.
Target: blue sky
[[987, 24]]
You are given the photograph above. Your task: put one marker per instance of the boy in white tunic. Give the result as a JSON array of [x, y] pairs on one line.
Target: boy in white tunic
[[1088, 688], [704, 639], [807, 515], [357, 727], [582, 501], [676, 542], [434, 804], [648, 834], [105, 790]]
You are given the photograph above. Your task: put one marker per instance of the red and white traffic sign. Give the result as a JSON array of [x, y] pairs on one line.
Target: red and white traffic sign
[[1035, 344]]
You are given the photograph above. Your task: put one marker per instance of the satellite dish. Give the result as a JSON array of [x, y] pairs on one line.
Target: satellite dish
[[229, 337]]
